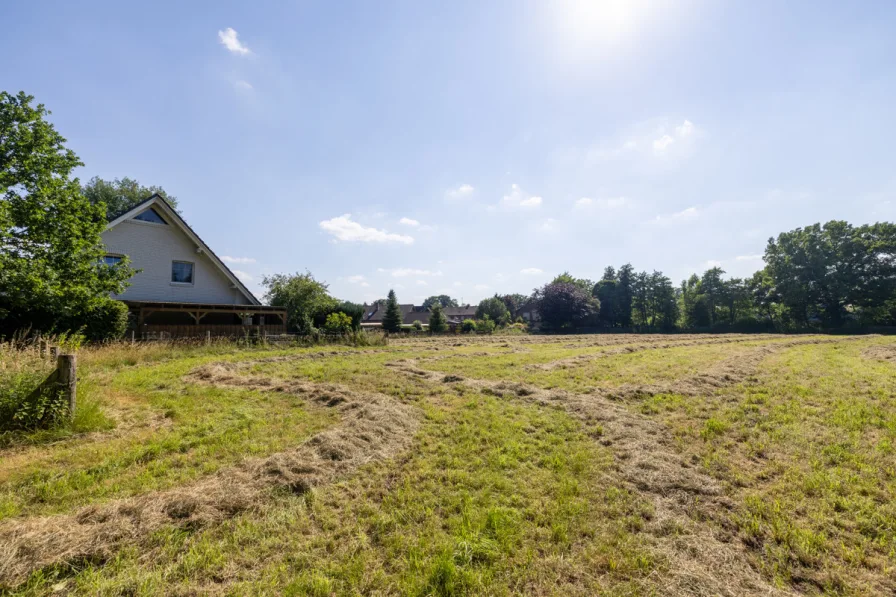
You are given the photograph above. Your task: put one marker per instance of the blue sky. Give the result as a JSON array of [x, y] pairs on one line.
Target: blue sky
[[473, 147]]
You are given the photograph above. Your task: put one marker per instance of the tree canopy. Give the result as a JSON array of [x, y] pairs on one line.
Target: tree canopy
[[495, 309], [121, 194], [51, 269], [442, 299], [565, 305], [392, 319], [304, 298]]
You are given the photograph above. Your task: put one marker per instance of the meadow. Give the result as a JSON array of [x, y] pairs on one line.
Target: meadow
[[483, 465]]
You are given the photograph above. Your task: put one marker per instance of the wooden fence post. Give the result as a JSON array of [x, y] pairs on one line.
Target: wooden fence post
[[68, 379], [43, 348], [133, 341], [54, 352], [208, 337]]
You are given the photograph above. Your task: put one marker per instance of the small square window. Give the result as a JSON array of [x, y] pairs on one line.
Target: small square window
[[111, 260], [182, 272]]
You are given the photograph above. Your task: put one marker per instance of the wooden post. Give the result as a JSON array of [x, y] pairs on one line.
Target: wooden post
[[133, 340], [44, 345], [68, 379], [54, 351], [208, 337]]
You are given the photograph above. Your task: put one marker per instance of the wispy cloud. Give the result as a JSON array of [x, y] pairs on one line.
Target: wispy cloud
[[358, 279], [243, 85], [531, 271], [748, 258], [549, 225], [681, 133], [409, 222], [229, 259], [464, 191], [345, 229], [684, 215], [604, 203], [482, 287], [422, 283], [243, 276], [230, 40], [404, 272], [517, 198]]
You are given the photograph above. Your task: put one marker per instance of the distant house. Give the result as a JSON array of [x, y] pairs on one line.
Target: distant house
[[181, 287], [373, 314]]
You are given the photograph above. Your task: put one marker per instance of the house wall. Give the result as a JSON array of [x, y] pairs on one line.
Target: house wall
[[152, 248]]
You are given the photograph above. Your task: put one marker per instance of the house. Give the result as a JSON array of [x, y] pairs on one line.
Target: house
[[373, 314], [181, 287]]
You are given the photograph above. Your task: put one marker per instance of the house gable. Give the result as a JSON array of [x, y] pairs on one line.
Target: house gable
[[168, 252]]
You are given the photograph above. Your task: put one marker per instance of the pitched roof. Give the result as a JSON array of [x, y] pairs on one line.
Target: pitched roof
[[157, 201]]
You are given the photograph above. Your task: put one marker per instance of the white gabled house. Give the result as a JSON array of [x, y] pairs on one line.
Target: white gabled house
[[181, 287]]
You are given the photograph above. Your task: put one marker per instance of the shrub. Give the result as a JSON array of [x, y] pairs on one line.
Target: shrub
[[20, 373], [485, 325], [468, 326], [338, 323], [495, 309], [417, 325], [106, 320]]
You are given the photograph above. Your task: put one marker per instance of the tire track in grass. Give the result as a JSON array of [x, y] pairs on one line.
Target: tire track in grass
[[372, 427]]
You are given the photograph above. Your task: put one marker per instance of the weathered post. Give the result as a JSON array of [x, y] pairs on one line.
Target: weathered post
[[208, 337], [54, 352], [44, 345], [133, 339], [68, 380]]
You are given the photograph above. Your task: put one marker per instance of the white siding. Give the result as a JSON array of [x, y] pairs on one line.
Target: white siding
[[152, 248]]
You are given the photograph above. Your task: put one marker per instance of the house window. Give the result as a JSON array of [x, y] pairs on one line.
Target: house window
[[181, 272], [150, 215], [111, 260]]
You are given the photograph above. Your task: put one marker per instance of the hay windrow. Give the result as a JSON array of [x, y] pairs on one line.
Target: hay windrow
[[372, 427], [703, 559], [881, 352]]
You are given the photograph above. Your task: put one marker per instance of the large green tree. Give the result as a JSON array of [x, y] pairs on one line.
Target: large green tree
[[495, 309], [442, 299], [564, 305], [438, 323], [121, 194], [306, 300], [51, 270]]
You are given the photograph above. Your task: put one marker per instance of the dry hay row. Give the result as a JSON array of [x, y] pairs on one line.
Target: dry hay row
[[633, 348], [372, 427], [881, 352], [702, 559]]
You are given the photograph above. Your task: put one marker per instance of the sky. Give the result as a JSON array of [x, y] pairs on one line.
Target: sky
[[469, 148]]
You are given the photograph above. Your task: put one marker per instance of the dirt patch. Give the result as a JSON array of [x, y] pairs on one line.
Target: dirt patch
[[372, 427]]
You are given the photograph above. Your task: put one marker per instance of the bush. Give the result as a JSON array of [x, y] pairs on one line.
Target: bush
[[485, 325], [468, 326], [438, 323], [106, 320], [21, 372], [338, 323], [417, 325]]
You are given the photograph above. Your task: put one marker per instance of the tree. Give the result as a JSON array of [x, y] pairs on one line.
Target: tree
[[121, 194], [51, 270], [392, 319], [438, 323], [338, 323], [514, 303], [713, 288], [495, 309], [304, 298], [583, 283], [443, 300], [606, 292], [831, 270], [626, 276], [564, 305]]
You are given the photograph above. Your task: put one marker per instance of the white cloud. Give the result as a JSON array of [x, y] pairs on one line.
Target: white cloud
[[344, 229], [660, 145], [230, 40], [748, 258], [464, 191], [243, 276], [408, 222], [519, 198], [404, 272], [684, 215], [229, 259], [422, 283], [713, 263], [243, 85], [458, 284], [686, 129], [607, 203], [358, 279], [531, 271], [549, 225]]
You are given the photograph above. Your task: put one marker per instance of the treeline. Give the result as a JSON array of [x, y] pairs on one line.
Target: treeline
[[823, 276]]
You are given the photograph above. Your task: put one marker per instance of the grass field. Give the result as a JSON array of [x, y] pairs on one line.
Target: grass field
[[536, 465]]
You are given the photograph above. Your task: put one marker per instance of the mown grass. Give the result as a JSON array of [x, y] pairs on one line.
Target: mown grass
[[494, 498], [808, 450]]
